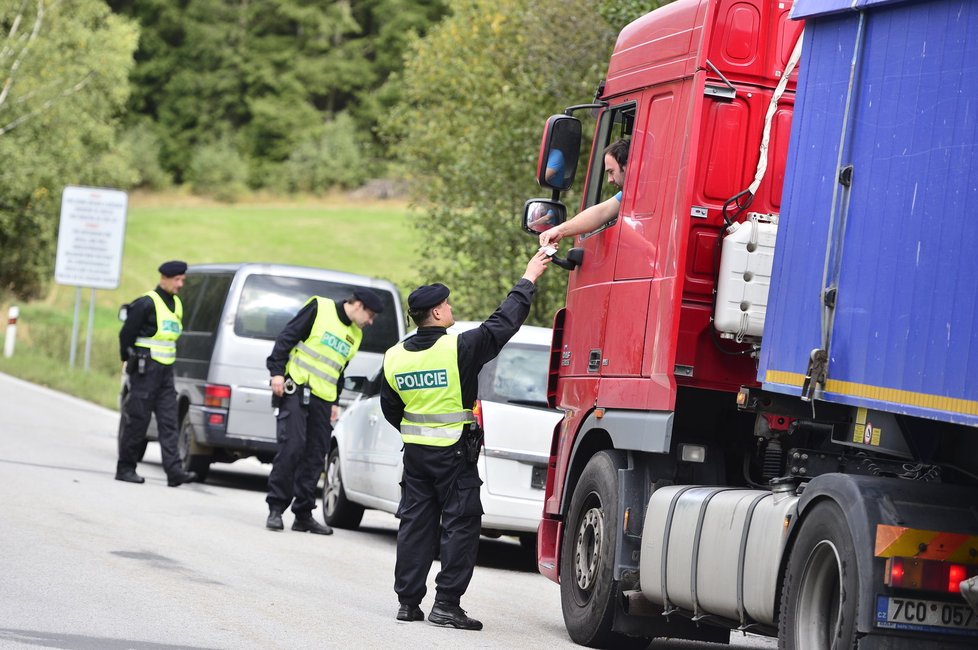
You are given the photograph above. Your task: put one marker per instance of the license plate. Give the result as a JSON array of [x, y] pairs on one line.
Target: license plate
[[926, 615], [538, 479]]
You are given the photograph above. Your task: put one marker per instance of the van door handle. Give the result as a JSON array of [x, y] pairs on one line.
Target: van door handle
[[372, 420]]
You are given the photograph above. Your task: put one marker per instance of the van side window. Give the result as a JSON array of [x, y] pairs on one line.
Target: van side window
[[204, 314], [269, 302]]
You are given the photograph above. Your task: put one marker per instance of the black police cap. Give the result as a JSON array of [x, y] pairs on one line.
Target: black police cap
[[173, 268], [369, 299], [427, 296]]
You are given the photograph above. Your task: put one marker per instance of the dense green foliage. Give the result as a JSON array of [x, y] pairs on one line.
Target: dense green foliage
[[270, 84], [501, 68], [63, 71]]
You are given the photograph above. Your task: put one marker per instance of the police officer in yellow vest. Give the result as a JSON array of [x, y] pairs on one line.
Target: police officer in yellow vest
[[307, 366], [148, 346], [431, 382]]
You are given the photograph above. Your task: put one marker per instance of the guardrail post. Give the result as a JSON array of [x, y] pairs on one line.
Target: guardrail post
[[11, 336]]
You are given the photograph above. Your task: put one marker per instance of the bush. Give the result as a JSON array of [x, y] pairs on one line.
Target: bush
[[219, 171], [144, 152], [331, 158]]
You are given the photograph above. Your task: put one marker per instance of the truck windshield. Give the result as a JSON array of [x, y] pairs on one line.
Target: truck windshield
[[268, 302]]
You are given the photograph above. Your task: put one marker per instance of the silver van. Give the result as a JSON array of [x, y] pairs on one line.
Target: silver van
[[232, 314]]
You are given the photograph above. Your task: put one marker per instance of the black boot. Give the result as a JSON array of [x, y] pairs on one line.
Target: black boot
[[306, 524], [449, 615], [181, 477], [129, 476], [274, 521], [409, 613]]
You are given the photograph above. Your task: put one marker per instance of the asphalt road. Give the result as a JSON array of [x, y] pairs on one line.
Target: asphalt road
[[90, 562]]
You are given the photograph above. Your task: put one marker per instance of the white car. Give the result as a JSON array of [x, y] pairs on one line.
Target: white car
[[365, 464]]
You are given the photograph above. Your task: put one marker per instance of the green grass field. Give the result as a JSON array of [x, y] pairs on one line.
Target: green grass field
[[368, 237]]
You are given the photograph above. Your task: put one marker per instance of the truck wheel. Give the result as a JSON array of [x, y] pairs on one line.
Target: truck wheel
[[337, 509], [820, 596], [193, 457], [587, 556], [123, 399]]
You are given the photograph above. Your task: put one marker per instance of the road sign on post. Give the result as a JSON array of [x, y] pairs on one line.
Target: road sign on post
[[90, 239]]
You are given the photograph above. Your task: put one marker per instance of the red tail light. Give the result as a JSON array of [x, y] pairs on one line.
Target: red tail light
[[927, 575], [477, 412], [956, 573], [216, 395]]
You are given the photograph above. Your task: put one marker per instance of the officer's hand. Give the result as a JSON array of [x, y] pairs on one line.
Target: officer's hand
[[278, 385], [536, 266], [335, 414]]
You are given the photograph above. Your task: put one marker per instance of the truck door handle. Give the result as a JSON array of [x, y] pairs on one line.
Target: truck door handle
[[372, 420]]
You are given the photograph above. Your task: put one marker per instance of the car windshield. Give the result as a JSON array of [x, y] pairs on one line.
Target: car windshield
[[517, 375], [269, 302]]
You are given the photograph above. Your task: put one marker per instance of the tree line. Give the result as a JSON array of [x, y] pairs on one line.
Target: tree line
[[295, 96]]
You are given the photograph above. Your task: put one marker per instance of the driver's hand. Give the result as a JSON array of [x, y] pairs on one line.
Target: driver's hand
[[551, 237]]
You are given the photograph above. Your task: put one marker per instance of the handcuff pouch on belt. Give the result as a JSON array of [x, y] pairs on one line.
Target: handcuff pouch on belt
[[472, 437]]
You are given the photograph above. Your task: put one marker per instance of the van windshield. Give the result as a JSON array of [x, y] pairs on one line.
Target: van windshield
[[268, 303], [518, 375]]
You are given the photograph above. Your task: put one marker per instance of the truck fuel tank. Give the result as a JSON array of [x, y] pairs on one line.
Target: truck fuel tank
[[699, 544]]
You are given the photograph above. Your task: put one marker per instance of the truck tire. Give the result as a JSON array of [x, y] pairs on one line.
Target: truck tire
[[337, 509], [820, 596], [587, 556], [193, 458]]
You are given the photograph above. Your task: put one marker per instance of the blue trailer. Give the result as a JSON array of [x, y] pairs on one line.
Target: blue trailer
[[874, 296]]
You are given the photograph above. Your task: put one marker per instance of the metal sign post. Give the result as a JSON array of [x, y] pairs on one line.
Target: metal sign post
[[91, 235]]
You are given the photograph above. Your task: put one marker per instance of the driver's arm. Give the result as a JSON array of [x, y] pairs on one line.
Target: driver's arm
[[587, 220]]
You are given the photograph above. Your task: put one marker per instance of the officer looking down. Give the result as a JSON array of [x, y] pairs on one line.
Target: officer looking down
[[430, 383], [306, 366], [148, 347]]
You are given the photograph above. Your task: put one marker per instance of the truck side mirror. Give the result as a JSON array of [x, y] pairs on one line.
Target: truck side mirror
[[542, 214], [559, 152]]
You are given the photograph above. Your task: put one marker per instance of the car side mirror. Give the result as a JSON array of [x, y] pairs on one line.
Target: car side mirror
[[540, 215], [356, 384]]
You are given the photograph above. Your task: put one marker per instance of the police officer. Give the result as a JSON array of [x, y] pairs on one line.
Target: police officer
[[307, 366], [148, 346], [430, 385]]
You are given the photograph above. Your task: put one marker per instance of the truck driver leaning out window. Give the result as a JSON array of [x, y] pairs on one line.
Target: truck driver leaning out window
[[592, 218]]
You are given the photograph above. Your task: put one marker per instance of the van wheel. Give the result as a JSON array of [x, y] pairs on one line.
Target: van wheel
[[193, 457], [820, 596], [587, 556], [123, 400], [337, 509]]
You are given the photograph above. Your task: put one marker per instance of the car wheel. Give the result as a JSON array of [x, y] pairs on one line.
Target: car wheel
[[337, 509], [123, 401], [587, 557], [819, 599], [191, 457]]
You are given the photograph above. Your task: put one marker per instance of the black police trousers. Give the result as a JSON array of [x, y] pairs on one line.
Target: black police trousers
[[439, 486], [149, 393], [303, 433]]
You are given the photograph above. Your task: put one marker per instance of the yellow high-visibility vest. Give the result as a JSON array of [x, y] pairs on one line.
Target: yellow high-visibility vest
[[318, 361], [428, 383], [162, 345]]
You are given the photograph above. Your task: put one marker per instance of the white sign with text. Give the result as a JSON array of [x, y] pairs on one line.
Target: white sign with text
[[90, 237]]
